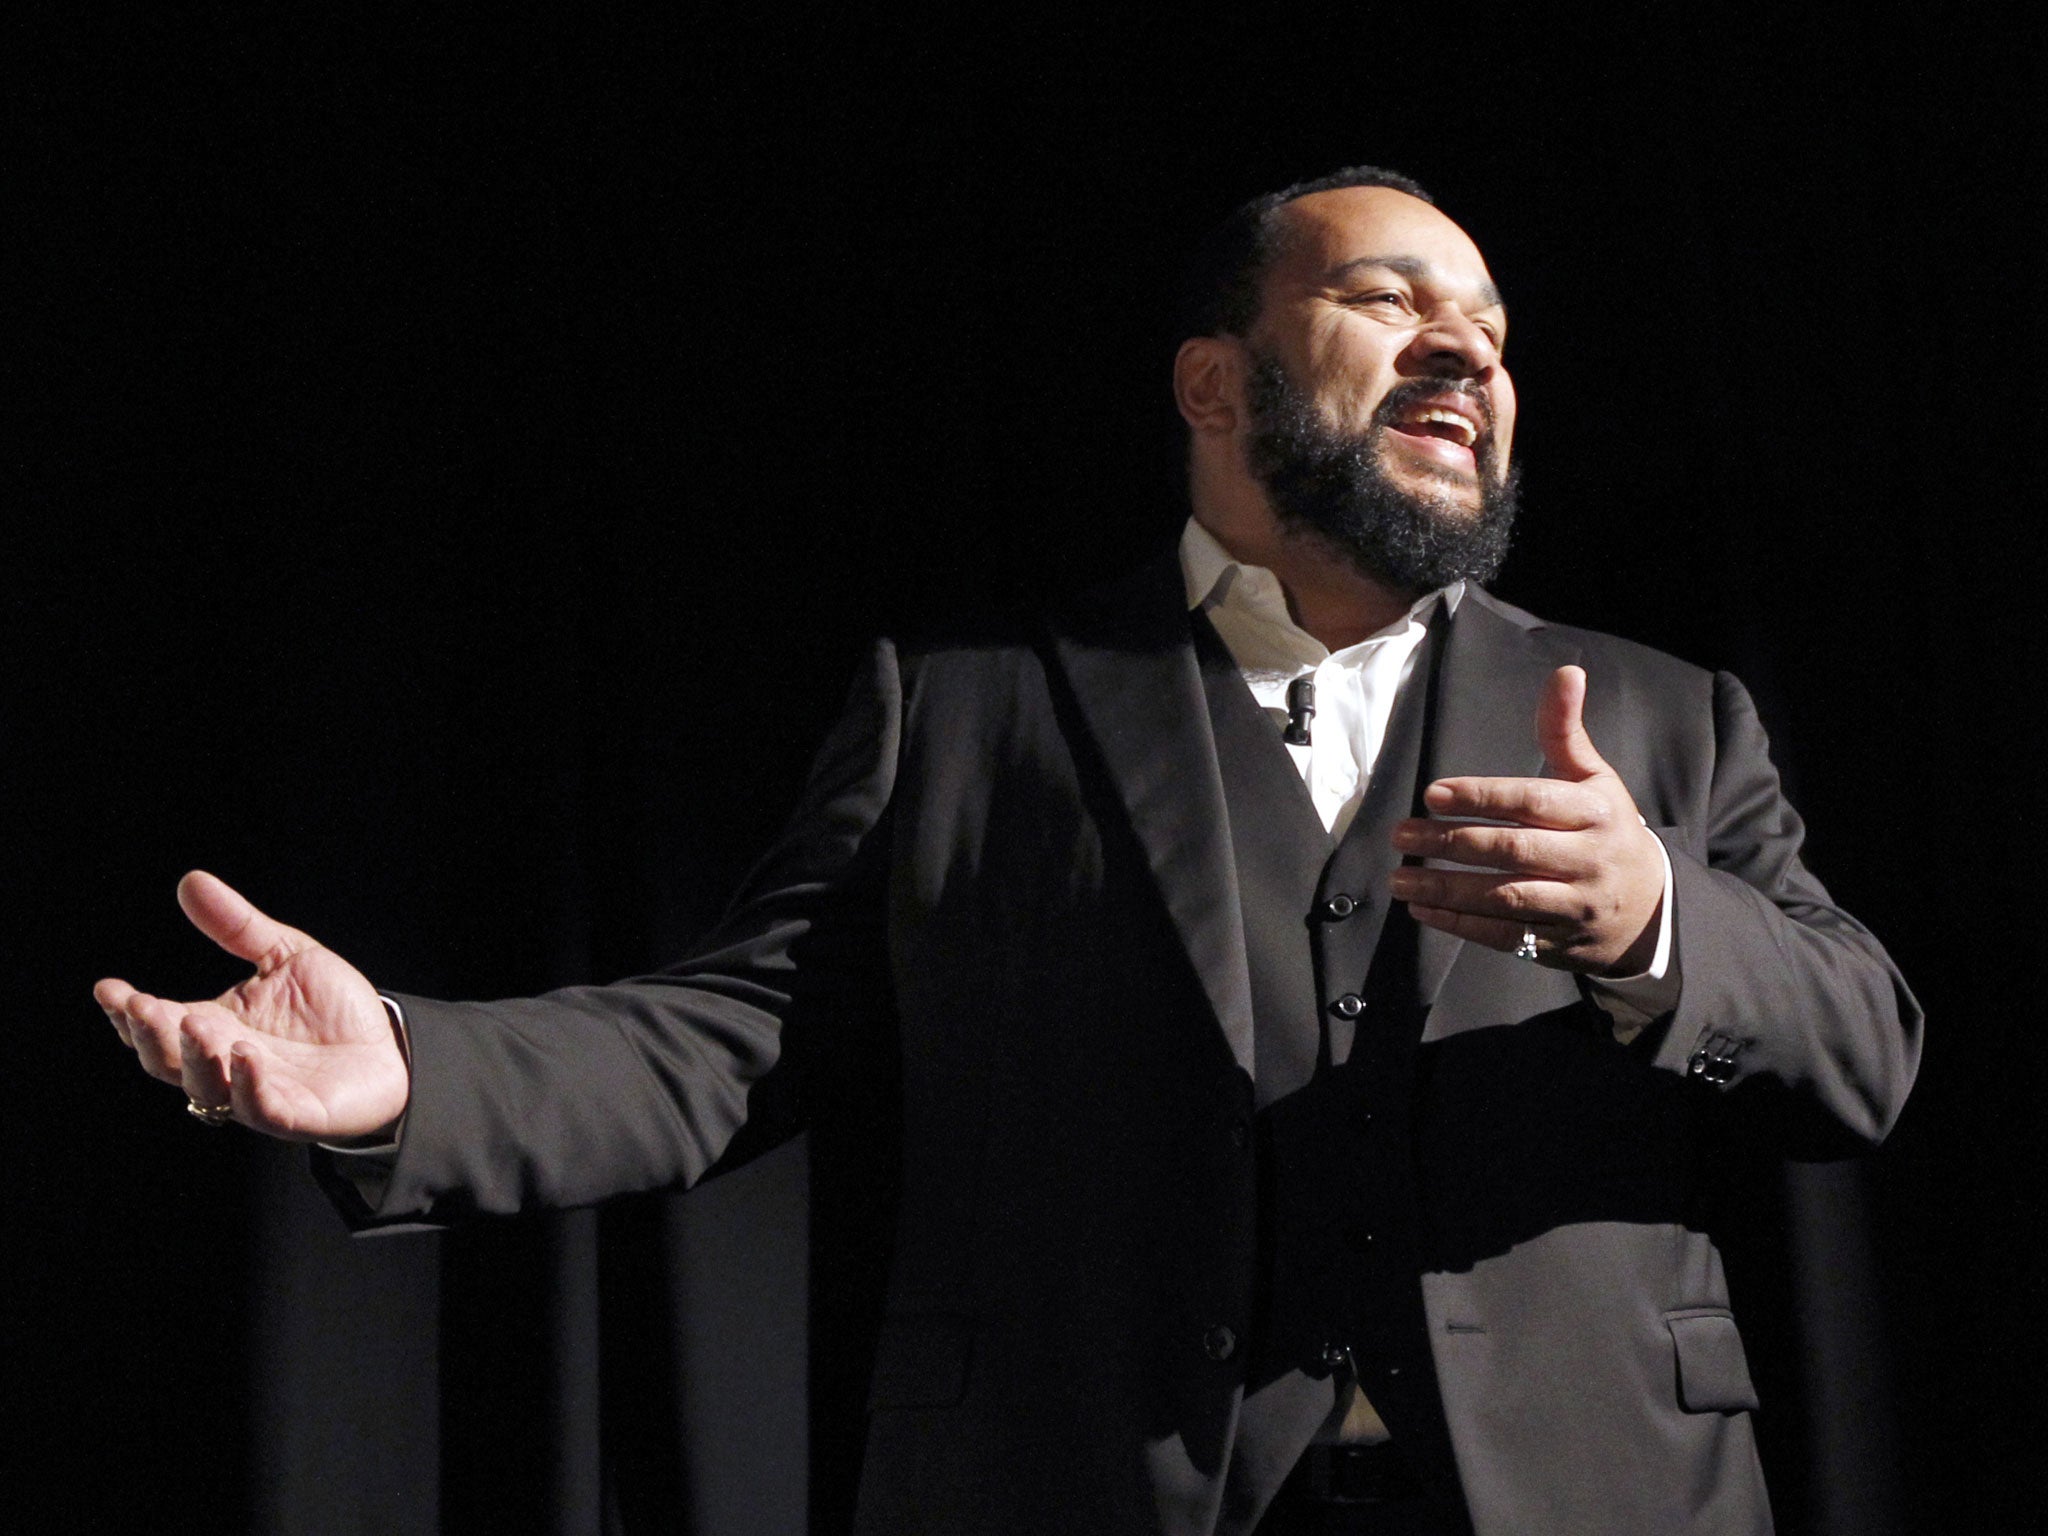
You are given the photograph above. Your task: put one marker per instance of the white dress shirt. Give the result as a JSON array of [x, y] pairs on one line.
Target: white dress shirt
[[1355, 687]]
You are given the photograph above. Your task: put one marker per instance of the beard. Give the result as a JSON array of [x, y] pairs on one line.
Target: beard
[[1333, 486]]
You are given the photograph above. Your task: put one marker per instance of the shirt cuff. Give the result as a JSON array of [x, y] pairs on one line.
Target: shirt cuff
[[1630, 1002]]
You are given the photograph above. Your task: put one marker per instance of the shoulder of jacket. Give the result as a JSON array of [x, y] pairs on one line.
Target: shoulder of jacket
[[1599, 648]]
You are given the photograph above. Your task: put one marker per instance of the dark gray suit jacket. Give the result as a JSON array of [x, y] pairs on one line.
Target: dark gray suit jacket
[[1007, 910]]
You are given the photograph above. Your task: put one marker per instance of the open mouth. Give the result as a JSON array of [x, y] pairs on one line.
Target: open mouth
[[1440, 430], [1440, 422]]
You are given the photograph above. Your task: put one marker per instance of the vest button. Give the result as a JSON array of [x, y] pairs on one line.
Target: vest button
[[1349, 1006], [1219, 1343], [1335, 1357], [1339, 907]]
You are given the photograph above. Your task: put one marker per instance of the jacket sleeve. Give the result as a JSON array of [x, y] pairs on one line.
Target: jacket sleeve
[[577, 1095], [1788, 1004]]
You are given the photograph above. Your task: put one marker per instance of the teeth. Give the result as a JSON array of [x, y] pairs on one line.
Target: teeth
[[1467, 433]]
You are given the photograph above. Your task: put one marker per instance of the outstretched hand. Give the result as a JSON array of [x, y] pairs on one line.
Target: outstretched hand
[[302, 1050], [1575, 866]]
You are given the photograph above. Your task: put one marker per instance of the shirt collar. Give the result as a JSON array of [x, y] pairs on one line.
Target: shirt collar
[[1212, 578]]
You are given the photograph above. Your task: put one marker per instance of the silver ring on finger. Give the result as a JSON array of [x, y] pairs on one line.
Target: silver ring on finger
[[209, 1114], [1526, 950]]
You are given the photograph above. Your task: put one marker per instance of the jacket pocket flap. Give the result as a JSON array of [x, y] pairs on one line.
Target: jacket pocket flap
[[1713, 1372], [922, 1362]]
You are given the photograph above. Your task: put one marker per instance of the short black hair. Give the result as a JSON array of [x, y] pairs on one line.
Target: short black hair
[[1220, 288]]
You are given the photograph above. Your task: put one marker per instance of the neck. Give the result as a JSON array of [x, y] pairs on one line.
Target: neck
[[1327, 595]]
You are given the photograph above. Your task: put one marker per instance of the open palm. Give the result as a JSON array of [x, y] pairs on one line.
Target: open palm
[[303, 1049]]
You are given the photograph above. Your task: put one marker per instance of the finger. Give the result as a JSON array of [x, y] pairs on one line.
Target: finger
[[228, 918], [153, 1033], [112, 995], [1549, 803], [1510, 898], [1522, 850], [1561, 727], [1494, 932], [249, 1087], [203, 1060]]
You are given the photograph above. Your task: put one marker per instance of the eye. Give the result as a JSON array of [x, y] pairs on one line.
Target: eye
[[1390, 298]]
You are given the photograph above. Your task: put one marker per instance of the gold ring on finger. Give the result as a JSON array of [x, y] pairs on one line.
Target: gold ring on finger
[[209, 1114]]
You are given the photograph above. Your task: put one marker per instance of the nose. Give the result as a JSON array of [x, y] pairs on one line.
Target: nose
[[1450, 345]]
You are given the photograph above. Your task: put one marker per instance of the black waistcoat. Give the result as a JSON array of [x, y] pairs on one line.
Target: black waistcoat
[[1337, 1017]]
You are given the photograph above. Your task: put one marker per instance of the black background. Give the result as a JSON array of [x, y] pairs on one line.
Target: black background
[[456, 460]]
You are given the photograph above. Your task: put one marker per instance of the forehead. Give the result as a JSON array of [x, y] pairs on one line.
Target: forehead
[[1326, 232]]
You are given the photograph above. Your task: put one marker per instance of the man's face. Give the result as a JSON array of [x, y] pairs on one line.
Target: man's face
[[1380, 415]]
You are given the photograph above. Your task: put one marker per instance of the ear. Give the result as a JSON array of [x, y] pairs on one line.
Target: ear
[[1208, 384]]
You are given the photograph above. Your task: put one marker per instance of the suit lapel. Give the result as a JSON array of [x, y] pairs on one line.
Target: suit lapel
[[1128, 654], [1484, 722]]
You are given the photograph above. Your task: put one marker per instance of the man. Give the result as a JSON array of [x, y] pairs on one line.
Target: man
[[1309, 1096]]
